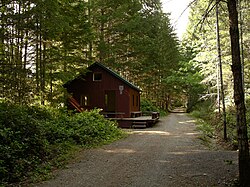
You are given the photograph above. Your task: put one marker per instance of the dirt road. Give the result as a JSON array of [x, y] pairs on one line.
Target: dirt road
[[169, 154]]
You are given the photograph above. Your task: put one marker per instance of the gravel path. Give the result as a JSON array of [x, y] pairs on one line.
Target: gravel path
[[169, 154]]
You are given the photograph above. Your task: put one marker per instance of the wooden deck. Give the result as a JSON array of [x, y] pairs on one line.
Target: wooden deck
[[137, 122]]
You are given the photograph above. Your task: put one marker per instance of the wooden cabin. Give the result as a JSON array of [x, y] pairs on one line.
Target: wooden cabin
[[103, 88]]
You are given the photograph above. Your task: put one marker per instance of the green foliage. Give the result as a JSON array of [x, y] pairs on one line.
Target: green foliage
[[33, 138], [207, 130], [231, 126], [248, 114], [56, 40], [201, 35], [147, 106], [203, 110], [206, 122], [190, 76], [210, 122]]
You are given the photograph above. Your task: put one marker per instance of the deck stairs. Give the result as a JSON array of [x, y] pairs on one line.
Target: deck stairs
[[139, 124], [75, 104]]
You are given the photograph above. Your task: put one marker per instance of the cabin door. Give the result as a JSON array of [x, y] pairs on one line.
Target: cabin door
[[110, 99]]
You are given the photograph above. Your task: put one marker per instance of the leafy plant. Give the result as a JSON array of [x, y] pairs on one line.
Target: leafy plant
[[147, 106], [34, 139]]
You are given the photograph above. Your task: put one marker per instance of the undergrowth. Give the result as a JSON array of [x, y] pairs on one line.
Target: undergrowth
[[34, 140], [211, 123], [147, 106], [205, 120]]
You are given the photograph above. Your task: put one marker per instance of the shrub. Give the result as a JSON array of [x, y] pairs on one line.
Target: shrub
[[32, 137], [206, 112], [23, 144], [207, 132], [147, 106]]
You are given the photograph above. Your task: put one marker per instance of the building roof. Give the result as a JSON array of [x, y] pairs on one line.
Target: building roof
[[114, 74]]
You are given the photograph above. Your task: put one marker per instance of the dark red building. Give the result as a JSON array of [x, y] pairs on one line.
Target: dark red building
[[103, 88]]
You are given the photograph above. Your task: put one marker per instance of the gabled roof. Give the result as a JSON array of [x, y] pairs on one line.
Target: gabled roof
[[115, 75], [109, 71]]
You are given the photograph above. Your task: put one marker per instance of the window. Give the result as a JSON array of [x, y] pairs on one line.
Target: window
[[84, 100], [97, 76], [137, 100], [133, 100]]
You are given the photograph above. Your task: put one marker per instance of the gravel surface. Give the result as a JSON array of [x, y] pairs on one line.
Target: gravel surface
[[169, 154]]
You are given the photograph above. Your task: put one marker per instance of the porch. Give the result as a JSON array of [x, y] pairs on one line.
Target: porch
[[138, 122]]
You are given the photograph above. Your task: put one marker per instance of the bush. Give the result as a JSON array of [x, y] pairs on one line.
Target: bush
[[22, 142], [248, 114], [147, 106], [206, 112], [32, 137], [207, 130]]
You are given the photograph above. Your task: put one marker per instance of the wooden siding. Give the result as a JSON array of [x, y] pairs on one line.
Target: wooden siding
[[95, 92]]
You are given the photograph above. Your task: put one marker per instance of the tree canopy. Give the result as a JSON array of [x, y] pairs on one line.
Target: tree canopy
[[46, 43], [201, 35], [233, 23]]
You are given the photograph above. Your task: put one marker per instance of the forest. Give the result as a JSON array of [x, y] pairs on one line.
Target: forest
[[45, 43]]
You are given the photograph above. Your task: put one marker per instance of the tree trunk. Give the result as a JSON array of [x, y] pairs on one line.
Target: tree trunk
[[242, 44], [102, 42], [244, 170], [221, 90], [90, 52]]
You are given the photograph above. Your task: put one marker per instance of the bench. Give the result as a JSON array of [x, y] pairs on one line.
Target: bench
[[136, 114], [155, 115]]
